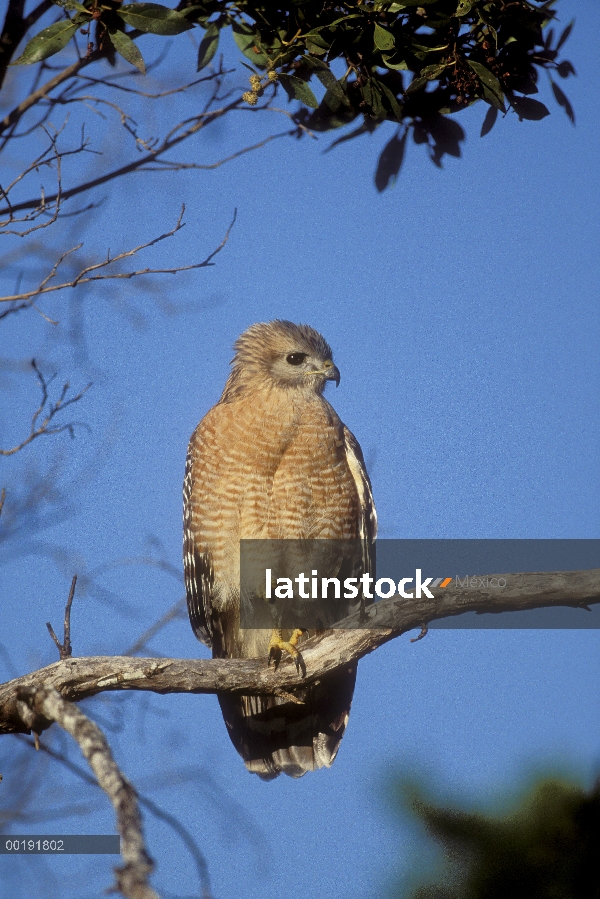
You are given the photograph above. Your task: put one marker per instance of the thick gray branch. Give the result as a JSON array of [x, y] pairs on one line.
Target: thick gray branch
[[132, 878], [78, 678]]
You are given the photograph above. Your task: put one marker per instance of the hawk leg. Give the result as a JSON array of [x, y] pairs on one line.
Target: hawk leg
[[279, 645]]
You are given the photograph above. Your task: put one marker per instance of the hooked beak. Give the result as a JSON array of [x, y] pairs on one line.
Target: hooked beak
[[332, 372]]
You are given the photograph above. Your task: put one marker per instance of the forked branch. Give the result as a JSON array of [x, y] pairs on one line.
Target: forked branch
[[96, 271], [46, 412]]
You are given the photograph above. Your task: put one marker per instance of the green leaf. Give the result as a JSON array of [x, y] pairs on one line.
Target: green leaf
[[464, 7], [489, 121], [190, 11], [390, 162], [383, 39], [153, 18], [564, 36], [297, 89], [415, 85], [395, 106], [315, 38], [377, 102], [489, 81], [432, 72], [127, 49], [47, 42], [208, 46], [332, 85], [565, 68], [339, 21], [528, 108], [247, 39], [389, 63], [315, 49], [425, 49], [331, 101], [72, 4]]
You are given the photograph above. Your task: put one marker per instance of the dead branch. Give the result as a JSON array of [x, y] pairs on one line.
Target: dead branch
[[51, 157], [154, 809], [43, 705], [77, 679], [49, 410], [177, 135], [85, 276], [15, 115], [65, 650]]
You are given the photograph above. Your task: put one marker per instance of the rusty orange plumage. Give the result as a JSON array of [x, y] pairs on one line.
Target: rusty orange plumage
[[272, 460]]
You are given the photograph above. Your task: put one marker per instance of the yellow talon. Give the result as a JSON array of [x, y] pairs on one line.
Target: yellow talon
[[278, 645]]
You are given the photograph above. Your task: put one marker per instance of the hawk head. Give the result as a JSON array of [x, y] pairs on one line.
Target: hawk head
[[280, 354]]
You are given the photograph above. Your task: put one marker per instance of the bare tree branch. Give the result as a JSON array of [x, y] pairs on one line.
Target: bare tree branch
[[46, 702], [51, 157], [16, 114], [154, 809], [39, 428], [84, 276], [78, 678], [177, 135], [65, 650]]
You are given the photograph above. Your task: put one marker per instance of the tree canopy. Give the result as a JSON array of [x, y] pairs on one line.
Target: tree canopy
[[413, 63]]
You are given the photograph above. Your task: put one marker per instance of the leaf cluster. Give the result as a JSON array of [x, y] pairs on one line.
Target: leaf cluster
[[412, 62]]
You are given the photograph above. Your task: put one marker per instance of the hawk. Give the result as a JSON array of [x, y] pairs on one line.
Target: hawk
[[272, 460]]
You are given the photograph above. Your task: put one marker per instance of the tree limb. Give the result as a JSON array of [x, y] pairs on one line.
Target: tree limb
[[45, 701], [77, 678], [85, 276]]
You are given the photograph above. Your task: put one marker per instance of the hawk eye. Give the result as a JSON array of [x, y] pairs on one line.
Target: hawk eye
[[296, 358]]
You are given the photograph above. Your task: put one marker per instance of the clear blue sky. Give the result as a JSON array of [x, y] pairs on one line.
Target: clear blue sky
[[462, 308]]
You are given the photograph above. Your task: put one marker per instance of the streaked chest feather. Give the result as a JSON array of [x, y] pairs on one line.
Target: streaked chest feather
[[272, 467]]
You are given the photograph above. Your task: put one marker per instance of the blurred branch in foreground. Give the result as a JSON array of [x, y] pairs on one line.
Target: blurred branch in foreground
[[545, 848]]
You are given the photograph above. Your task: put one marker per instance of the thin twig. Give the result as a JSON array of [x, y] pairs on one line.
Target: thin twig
[[181, 132], [65, 650], [37, 430], [16, 114], [84, 276], [172, 613], [50, 157]]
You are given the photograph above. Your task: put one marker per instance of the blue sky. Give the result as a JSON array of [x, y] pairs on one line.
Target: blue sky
[[462, 308]]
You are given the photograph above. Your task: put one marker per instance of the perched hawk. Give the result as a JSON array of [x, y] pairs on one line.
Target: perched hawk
[[272, 460]]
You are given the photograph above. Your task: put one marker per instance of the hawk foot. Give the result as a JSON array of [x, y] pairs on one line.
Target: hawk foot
[[279, 645]]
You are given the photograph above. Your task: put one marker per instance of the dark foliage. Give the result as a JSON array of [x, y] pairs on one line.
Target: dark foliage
[[546, 849], [412, 62]]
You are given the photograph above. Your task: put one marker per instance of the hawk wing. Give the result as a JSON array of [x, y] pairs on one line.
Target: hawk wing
[[356, 464], [197, 567]]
